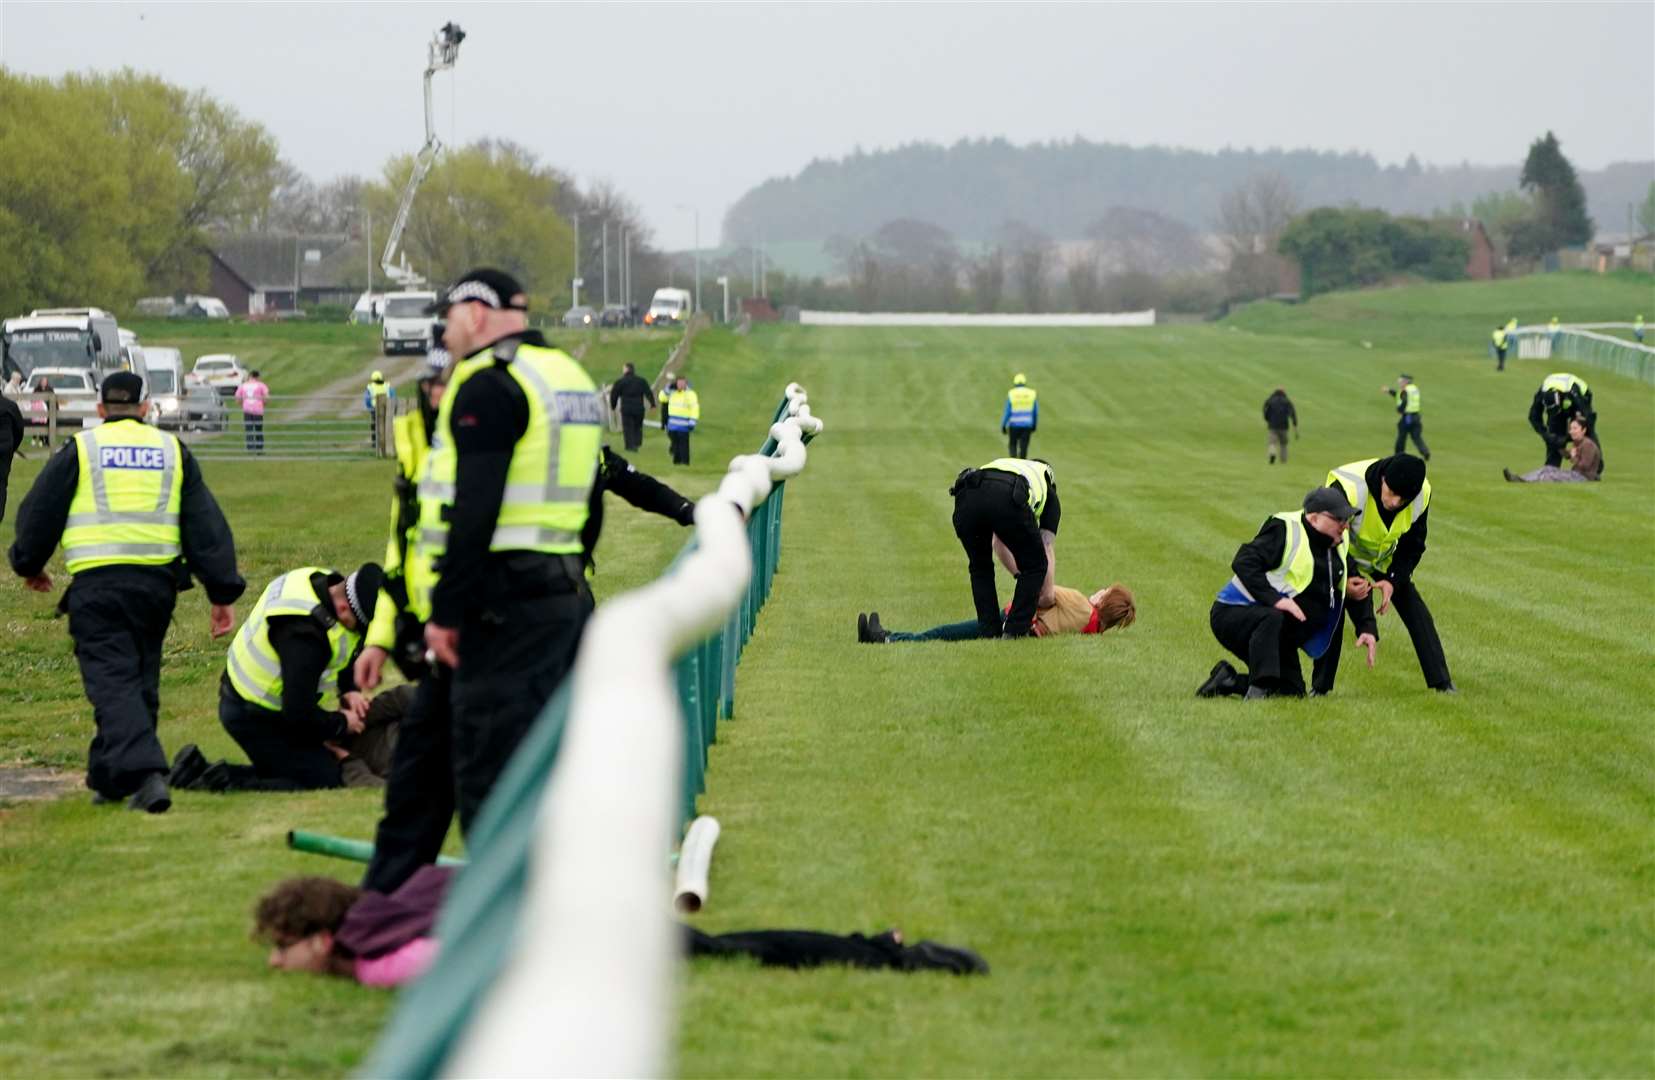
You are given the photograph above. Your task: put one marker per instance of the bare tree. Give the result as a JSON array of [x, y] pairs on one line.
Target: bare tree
[[987, 275], [1251, 218], [1086, 280], [1032, 256]]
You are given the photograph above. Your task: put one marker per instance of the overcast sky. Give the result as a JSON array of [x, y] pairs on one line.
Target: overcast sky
[[691, 105]]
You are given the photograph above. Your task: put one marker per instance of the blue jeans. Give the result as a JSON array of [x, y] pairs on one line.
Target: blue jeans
[[959, 631]]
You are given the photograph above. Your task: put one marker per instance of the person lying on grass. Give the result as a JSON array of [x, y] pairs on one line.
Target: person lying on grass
[[1060, 610], [327, 927]]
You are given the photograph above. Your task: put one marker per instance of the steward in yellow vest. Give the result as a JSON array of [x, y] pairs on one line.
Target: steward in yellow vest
[[1020, 416], [1287, 593], [295, 648], [136, 521], [683, 414], [503, 499], [1409, 423], [1501, 339], [1014, 500], [1392, 498], [1561, 396]]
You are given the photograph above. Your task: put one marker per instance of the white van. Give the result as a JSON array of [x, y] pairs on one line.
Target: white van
[[166, 385], [406, 326], [669, 307]]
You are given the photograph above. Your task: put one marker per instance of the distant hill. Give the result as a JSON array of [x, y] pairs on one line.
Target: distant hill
[[1063, 188]]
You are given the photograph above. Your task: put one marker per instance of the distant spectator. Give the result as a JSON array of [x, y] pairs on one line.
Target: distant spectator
[[251, 393], [14, 385], [1583, 452], [630, 394], [1278, 413], [40, 411]]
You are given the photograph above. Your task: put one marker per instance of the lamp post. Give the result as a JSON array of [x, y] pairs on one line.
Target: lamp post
[[696, 211], [725, 281], [575, 282]]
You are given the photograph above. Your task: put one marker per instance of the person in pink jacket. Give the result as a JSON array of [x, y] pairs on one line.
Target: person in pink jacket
[[251, 394]]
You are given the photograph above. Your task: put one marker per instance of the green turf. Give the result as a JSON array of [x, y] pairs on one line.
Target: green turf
[[1386, 882]]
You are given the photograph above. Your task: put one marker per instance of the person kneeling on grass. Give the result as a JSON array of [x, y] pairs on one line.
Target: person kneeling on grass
[[1059, 611], [327, 927]]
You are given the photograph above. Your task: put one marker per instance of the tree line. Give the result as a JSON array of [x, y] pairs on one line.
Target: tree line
[[113, 185]]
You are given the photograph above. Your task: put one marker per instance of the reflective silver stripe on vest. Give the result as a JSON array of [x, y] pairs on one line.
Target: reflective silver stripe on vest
[[551, 491], [1416, 508], [109, 517], [515, 537], [433, 536], [431, 489], [240, 674], [98, 551]]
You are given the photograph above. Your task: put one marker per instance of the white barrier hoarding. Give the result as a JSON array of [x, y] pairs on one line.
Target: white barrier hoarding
[[941, 318]]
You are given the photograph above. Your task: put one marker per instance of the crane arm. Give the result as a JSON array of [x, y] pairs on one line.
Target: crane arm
[[443, 50]]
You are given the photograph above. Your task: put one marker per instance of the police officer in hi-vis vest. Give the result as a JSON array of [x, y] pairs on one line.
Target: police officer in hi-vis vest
[[136, 520], [502, 500], [1560, 397], [1016, 500], [1020, 416], [1392, 498], [1287, 594], [683, 414], [1409, 423], [296, 645]]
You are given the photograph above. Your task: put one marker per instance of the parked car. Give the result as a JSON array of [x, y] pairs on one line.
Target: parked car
[[77, 397], [221, 371], [579, 317], [203, 408], [612, 315]]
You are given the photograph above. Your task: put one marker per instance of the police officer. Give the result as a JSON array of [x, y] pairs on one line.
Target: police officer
[[1014, 499], [683, 413], [1287, 594], [1409, 424], [135, 518], [1500, 340], [301, 637], [419, 801], [1560, 397], [503, 499], [1638, 328], [1020, 416], [1392, 498]]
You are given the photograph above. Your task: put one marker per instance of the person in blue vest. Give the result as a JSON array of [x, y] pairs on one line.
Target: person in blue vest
[[1020, 416], [1287, 594], [1409, 423]]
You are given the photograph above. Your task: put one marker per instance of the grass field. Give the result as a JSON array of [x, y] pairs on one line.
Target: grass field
[[1383, 882]]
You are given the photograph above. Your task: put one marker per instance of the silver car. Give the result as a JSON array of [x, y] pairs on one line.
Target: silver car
[[77, 395]]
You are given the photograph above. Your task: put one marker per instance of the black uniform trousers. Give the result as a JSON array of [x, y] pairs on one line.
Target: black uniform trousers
[[632, 428], [990, 503], [679, 441], [419, 793], [513, 655], [118, 619], [1267, 640], [1018, 445], [1422, 630], [1409, 425], [283, 759]]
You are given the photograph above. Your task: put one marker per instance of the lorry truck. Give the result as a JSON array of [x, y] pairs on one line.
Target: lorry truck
[[61, 338]]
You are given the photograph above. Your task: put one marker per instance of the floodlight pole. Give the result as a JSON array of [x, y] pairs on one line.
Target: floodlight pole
[[725, 281]]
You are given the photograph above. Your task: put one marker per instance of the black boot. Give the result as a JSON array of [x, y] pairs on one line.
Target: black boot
[[152, 796], [877, 634], [1220, 681], [187, 766]]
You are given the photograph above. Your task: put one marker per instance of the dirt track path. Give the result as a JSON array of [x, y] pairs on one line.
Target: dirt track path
[[325, 399]]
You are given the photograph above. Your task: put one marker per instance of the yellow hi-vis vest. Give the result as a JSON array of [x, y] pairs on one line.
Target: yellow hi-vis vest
[[1293, 574], [125, 509], [402, 556], [1021, 399], [683, 410], [1032, 471], [1410, 399], [1372, 542], [254, 668], [1499, 337], [552, 466], [1564, 383]]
